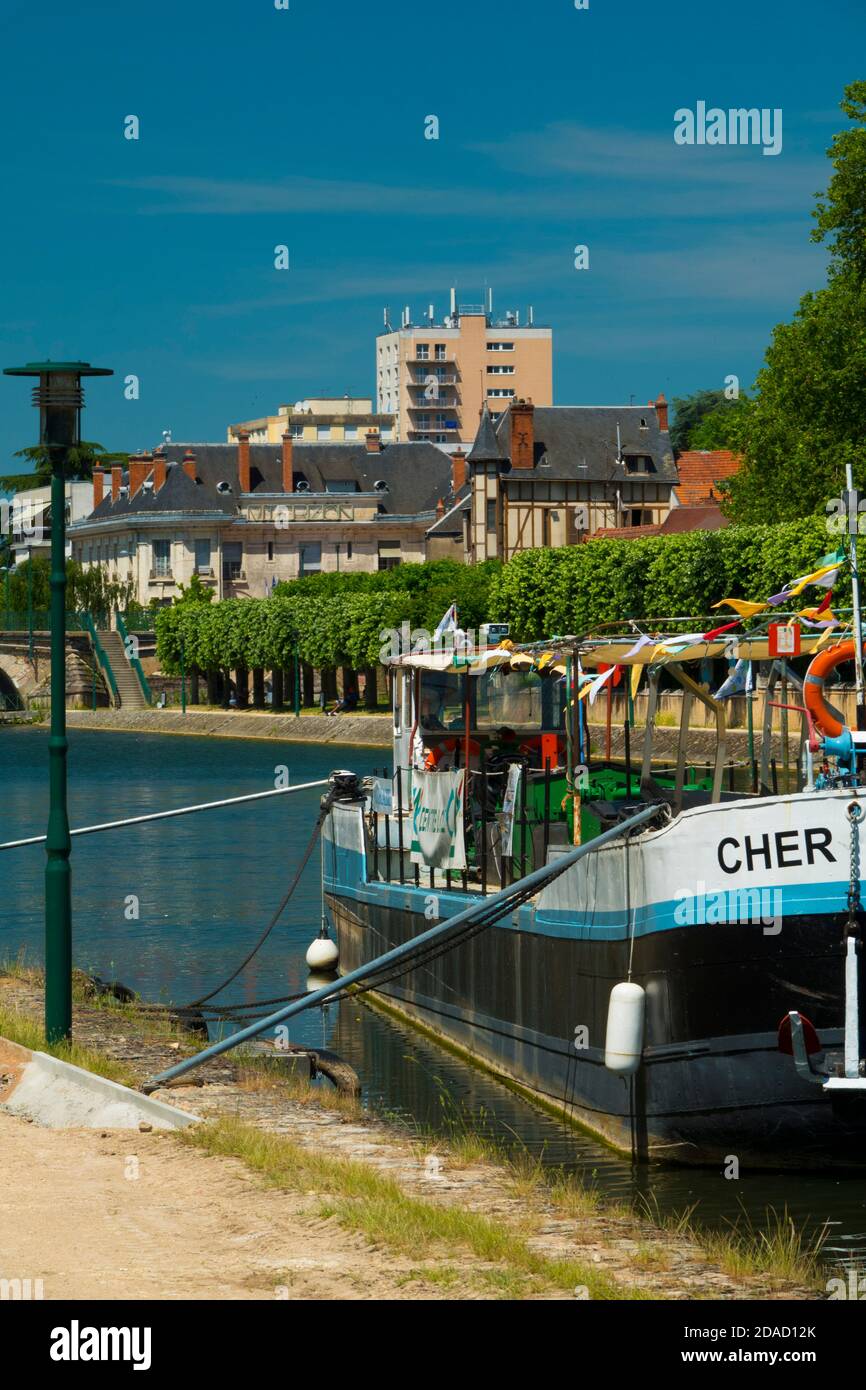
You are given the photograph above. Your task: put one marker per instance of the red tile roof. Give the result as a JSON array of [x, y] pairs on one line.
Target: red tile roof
[[700, 470], [706, 518], [624, 533]]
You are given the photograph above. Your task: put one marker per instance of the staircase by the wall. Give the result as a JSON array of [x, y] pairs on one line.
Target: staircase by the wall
[[129, 689]]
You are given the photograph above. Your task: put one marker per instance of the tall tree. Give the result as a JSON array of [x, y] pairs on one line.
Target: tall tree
[[809, 417]]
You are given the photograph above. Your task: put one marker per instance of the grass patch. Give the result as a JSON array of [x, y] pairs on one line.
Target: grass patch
[[27, 1032], [777, 1249], [364, 1201]]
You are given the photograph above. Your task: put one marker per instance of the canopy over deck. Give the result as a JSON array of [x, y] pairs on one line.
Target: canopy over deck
[[658, 650]]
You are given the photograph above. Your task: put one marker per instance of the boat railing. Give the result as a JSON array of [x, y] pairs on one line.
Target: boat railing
[[497, 854]]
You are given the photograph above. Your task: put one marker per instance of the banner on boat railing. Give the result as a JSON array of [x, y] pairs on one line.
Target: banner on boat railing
[[382, 796], [437, 819], [509, 806]]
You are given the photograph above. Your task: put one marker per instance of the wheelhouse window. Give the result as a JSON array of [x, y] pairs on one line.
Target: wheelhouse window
[[519, 700]]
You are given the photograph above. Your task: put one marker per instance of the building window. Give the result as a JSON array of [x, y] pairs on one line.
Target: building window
[[202, 556], [340, 485], [233, 555], [639, 463], [422, 352], [500, 371], [297, 431], [348, 550], [491, 516], [310, 558], [270, 552], [323, 431], [500, 347], [389, 555], [162, 559], [439, 352], [501, 391], [351, 432]]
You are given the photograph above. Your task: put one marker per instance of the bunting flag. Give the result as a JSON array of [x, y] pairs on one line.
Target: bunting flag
[[641, 642], [599, 682], [448, 622], [636, 673], [825, 576], [717, 631], [739, 605]]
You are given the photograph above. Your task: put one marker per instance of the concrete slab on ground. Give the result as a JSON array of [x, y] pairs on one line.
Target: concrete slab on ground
[[58, 1095]]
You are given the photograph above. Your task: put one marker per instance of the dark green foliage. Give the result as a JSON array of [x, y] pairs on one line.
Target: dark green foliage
[[544, 593]]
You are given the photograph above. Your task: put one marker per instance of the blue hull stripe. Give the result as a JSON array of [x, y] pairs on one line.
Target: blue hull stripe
[[345, 877]]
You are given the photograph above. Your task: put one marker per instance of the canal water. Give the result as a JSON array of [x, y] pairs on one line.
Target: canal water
[[170, 908]]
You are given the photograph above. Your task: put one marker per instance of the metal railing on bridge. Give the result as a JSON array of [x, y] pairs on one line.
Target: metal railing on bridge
[[35, 620]]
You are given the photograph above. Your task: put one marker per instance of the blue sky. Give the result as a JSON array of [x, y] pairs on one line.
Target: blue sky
[[306, 127]]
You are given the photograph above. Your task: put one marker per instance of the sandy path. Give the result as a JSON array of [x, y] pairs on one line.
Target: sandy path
[[188, 1226]]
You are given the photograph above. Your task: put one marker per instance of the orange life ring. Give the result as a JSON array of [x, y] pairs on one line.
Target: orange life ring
[[813, 687], [435, 754]]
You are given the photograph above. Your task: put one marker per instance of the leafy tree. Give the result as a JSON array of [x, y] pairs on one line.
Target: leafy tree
[[809, 418], [81, 461], [724, 427], [689, 411], [196, 591], [840, 216]]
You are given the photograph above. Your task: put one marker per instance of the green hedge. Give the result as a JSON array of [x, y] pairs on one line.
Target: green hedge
[[342, 630], [542, 593], [337, 620]]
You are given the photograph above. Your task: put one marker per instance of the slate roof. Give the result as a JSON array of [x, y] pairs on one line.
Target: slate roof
[[486, 447], [578, 442], [701, 470], [417, 475]]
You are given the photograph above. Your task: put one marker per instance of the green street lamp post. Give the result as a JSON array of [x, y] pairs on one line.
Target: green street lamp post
[[30, 604], [59, 398]]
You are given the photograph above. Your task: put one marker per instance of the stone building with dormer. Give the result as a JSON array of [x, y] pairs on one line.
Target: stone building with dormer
[[245, 516], [556, 475]]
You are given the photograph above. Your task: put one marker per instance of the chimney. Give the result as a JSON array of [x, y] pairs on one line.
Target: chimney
[[189, 465], [458, 470], [374, 442], [661, 406], [98, 486], [244, 460], [116, 475], [440, 507], [159, 471], [522, 434], [288, 449], [138, 470]]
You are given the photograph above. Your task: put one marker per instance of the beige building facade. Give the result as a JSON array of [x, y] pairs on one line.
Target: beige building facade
[[245, 517], [434, 378], [318, 420]]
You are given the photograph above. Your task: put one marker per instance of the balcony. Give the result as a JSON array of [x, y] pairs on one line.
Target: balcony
[[432, 361], [439, 402], [161, 574]]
